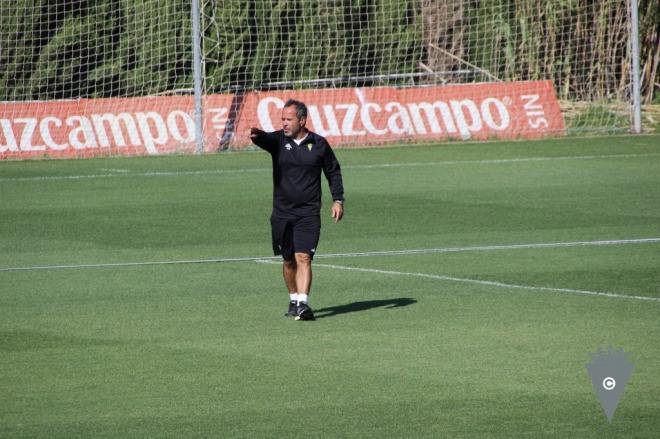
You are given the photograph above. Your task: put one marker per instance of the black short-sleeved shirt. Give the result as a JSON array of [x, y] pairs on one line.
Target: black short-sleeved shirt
[[297, 173]]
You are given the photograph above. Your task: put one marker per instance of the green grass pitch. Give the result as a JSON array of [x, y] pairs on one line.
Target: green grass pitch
[[479, 327]]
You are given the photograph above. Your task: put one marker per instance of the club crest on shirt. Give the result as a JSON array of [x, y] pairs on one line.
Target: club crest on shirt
[[309, 146], [288, 146]]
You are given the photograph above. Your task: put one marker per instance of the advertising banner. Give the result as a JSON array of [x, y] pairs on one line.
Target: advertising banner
[[346, 117]]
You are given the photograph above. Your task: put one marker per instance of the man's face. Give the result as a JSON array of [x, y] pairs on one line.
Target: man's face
[[290, 122]]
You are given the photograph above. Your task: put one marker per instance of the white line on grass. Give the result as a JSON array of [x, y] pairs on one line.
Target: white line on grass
[[115, 174], [138, 264], [483, 282], [136, 174], [347, 255], [492, 247]]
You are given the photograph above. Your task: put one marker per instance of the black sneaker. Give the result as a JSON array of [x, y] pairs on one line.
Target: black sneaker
[[304, 312], [293, 310]]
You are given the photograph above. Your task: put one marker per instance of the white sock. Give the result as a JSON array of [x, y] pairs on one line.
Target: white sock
[[302, 297], [293, 297]]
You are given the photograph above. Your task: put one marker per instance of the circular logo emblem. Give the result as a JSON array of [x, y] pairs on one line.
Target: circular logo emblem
[[609, 383]]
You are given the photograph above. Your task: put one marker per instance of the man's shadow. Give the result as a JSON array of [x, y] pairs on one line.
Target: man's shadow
[[332, 311]]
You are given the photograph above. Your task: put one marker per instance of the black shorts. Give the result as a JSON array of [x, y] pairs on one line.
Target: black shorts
[[295, 235]]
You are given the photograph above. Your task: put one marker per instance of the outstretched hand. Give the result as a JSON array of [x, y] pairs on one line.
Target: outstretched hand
[[255, 132], [337, 211]]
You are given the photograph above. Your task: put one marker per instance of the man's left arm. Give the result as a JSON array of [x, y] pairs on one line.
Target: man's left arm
[[332, 172]]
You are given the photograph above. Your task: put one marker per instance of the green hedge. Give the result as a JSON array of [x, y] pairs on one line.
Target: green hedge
[[76, 49], [55, 49], [73, 49], [366, 38]]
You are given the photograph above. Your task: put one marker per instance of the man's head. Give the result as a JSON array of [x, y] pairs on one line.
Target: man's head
[[294, 118]]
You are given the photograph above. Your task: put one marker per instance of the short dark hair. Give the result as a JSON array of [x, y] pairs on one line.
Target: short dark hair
[[301, 109]]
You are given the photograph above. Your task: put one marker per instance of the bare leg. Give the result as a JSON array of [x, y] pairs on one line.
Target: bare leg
[[303, 274], [289, 269]]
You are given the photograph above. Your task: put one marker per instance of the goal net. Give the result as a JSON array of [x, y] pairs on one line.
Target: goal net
[[81, 78], [84, 78]]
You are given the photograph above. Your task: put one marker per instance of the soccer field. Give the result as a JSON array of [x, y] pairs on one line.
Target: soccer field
[[461, 295]]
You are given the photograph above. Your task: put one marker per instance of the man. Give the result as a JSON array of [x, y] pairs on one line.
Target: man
[[298, 156]]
